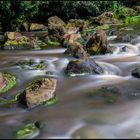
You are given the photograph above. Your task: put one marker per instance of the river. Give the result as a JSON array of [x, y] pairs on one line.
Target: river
[[75, 114]]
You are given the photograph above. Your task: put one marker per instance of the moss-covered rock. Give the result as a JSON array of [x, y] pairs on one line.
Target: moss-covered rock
[[37, 27], [27, 131], [7, 81], [128, 35], [38, 92], [97, 44], [31, 65], [56, 20], [106, 18], [76, 50], [16, 41], [56, 29]]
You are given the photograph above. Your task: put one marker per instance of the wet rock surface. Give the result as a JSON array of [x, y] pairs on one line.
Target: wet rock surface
[[97, 44], [81, 66], [31, 65], [39, 91]]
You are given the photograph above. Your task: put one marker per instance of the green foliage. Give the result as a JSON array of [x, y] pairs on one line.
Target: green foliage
[[13, 13], [132, 20]]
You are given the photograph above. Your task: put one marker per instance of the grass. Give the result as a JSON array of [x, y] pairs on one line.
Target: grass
[[132, 20]]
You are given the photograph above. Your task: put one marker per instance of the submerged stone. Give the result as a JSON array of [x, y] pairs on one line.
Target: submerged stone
[[107, 94]]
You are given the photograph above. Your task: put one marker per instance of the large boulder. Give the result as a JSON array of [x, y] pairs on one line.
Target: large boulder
[[38, 92], [76, 50], [106, 18], [97, 44], [56, 29], [56, 20], [37, 27], [27, 26], [56, 32], [127, 35], [16, 41], [83, 66], [76, 25], [74, 46]]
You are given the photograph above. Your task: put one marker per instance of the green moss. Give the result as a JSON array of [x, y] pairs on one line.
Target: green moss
[[40, 67], [102, 27], [11, 82], [51, 101], [26, 131], [31, 63], [13, 100], [35, 83], [109, 95], [53, 43]]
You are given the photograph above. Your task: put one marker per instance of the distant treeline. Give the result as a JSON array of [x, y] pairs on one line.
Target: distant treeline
[[15, 12]]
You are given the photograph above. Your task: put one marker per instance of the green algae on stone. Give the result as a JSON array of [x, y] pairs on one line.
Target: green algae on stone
[[39, 91], [27, 132], [53, 43], [31, 65], [51, 101], [10, 101], [10, 82], [109, 95]]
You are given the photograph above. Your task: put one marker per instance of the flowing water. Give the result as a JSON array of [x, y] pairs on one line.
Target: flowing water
[[76, 115]]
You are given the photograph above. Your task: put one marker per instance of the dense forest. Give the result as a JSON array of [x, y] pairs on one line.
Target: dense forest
[[14, 13]]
